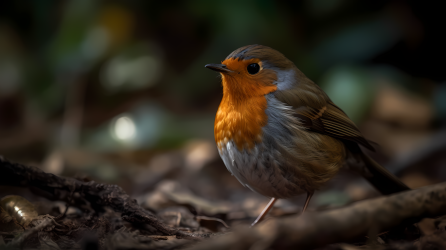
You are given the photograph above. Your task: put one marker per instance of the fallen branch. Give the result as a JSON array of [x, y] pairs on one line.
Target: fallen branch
[[338, 225], [97, 195]]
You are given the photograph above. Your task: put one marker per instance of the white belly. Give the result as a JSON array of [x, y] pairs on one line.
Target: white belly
[[261, 170]]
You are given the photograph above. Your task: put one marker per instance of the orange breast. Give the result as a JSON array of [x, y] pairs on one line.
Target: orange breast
[[241, 114]]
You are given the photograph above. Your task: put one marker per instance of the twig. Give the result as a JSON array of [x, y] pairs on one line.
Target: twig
[[315, 229], [67, 206], [211, 218], [98, 195], [64, 213], [16, 242]]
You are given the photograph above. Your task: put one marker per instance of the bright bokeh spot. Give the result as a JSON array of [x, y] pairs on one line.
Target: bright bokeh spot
[[124, 128]]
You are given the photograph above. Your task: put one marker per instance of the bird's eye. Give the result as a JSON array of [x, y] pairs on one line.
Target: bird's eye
[[253, 68]]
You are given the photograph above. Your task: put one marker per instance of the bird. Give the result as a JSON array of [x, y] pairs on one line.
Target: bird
[[281, 135]]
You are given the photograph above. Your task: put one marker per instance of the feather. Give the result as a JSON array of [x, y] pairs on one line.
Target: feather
[[318, 113]]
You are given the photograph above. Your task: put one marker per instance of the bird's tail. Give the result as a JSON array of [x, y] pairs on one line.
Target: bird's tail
[[381, 178], [384, 181]]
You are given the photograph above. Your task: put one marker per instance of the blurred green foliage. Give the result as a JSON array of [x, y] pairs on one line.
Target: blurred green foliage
[[78, 65]]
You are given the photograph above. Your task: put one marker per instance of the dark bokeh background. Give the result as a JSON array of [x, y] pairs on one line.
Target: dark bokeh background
[[116, 91]]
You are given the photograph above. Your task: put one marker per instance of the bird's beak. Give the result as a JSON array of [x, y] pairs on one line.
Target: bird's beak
[[218, 67]]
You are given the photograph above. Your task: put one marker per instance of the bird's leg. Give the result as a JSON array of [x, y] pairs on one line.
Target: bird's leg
[[265, 211], [271, 203], [307, 201]]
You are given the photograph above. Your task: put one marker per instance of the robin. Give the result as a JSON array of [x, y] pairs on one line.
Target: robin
[[280, 134]]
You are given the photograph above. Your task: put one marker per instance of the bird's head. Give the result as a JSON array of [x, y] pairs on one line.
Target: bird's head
[[254, 70]]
